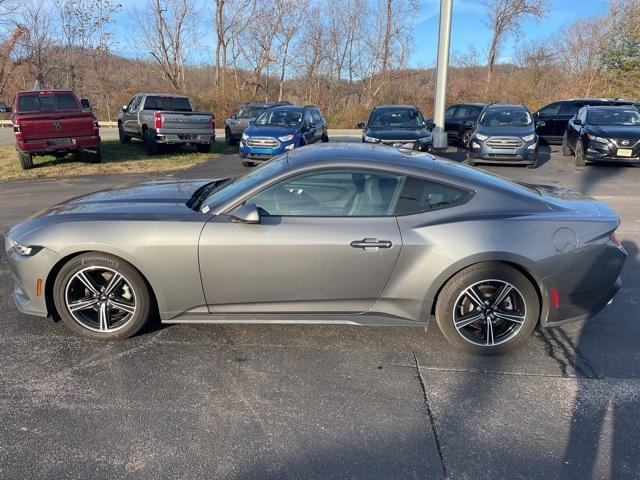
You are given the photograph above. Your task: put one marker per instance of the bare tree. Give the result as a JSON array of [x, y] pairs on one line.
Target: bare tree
[[291, 14], [504, 18], [168, 30]]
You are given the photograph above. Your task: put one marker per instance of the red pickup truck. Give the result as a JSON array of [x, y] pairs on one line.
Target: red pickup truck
[[54, 122]]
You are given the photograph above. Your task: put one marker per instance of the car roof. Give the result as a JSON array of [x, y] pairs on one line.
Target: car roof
[[289, 107], [166, 95], [609, 107], [366, 154], [506, 106], [44, 90], [406, 107], [266, 104], [469, 104]]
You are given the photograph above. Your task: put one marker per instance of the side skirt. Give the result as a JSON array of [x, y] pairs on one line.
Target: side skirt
[[299, 319]]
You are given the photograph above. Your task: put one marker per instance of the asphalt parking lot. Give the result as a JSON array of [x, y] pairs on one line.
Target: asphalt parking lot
[[308, 402]]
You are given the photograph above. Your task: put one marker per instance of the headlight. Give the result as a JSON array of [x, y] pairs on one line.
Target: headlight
[[286, 138], [245, 136], [24, 250], [481, 137], [371, 139], [597, 139], [528, 138]]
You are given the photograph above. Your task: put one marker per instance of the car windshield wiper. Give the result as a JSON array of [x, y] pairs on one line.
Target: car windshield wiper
[[203, 192]]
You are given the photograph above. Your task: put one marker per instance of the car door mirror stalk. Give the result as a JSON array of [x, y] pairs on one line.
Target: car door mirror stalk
[[248, 213]]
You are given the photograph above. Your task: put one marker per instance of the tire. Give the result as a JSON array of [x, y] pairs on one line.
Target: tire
[[94, 157], [203, 147], [325, 138], [150, 145], [521, 305], [228, 137], [130, 292], [248, 164], [26, 160], [566, 149], [466, 136], [580, 160], [534, 164], [124, 138]]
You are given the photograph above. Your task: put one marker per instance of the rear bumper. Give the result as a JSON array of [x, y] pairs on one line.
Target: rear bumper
[[182, 138], [588, 307], [48, 145]]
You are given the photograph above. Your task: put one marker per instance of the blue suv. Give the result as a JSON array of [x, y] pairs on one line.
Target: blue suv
[[280, 129]]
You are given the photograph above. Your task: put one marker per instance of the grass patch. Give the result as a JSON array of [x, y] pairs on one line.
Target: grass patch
[[116, 158]]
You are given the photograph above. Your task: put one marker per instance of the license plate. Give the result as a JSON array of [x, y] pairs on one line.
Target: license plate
[[625, 152], [62, 141]]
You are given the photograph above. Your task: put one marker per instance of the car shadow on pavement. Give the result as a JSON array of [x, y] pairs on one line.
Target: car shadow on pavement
[[605, 421]]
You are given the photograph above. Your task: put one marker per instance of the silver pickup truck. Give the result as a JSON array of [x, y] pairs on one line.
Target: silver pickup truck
[[161, 119]]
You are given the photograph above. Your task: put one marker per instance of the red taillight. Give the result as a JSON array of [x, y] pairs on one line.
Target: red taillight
[[157, 120], [213, 122], [16, 128], [555, 298], [614, 239]]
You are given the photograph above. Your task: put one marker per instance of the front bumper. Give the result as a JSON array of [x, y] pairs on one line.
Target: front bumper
[[601, 152], [423, 146], [25, 272], [525, 154], [44, 146]]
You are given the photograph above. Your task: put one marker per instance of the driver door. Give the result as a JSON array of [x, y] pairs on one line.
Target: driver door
[[326, 243]]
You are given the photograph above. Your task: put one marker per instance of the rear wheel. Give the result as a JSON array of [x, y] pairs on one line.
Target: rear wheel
[[94, 156], [325, 138], [150, 145], [488, 309], [26, 160], [566, 150], [228, 137], [102, 297], [124, 138], [580, 160]]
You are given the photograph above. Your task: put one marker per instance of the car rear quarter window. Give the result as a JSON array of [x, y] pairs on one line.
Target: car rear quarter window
[[53, 101], [419, 195], [553, 109]]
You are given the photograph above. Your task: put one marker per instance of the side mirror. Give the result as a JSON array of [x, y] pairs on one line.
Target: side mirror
[[248, 213], [124, 108], [540, 124], [252, 122], [362, 125], [577, 121], [431, 126], [85, 103]]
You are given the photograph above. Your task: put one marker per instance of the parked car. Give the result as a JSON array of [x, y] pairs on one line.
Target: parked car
[[316, 236], [235, 125], [280, 129], [3, 107], [602, 134], [504, 134], [460, 120], [399, 126], [556, 115], [53, 122], [165, 119]]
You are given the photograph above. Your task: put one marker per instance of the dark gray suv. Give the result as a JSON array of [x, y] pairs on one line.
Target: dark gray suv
[[504, 134], [235, 125]]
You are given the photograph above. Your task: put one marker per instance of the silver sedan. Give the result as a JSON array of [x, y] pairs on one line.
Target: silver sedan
[[339, 234]]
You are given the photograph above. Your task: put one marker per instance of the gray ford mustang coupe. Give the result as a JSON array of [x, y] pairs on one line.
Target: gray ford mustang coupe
[[334, 233]]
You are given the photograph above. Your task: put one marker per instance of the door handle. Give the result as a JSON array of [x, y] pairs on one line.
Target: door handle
[[371, 243]]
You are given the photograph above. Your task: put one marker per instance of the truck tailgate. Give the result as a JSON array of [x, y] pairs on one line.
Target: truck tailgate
[[187, 122], [44, 126]]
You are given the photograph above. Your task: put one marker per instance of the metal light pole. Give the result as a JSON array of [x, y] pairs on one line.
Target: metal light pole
[[444, 41]]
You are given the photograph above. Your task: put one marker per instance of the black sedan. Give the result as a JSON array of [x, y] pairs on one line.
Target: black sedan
[[600, 134], [401, 126]]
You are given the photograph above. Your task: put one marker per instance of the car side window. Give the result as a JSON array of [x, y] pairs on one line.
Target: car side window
[[553, 109], [570, 108], [308, 119], [331, 193], [450, 112], [130, 107], [419, 195], [315, 114]]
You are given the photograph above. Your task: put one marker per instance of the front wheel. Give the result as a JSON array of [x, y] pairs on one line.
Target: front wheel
[[228, 137], [487, 309], [124, 138], [100, 296], [466, 136], [566, 150]]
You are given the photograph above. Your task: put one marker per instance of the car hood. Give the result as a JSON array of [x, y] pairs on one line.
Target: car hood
[[397, 133], [161, 197], [257, 131], [505, 131], [623, 132]]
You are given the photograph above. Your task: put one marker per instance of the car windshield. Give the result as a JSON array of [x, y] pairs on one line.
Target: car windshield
[[47, 101], [505, 118], [280, 118], [627, 117], [248, 111], [396, 118], [169, 104], [225, 191]]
